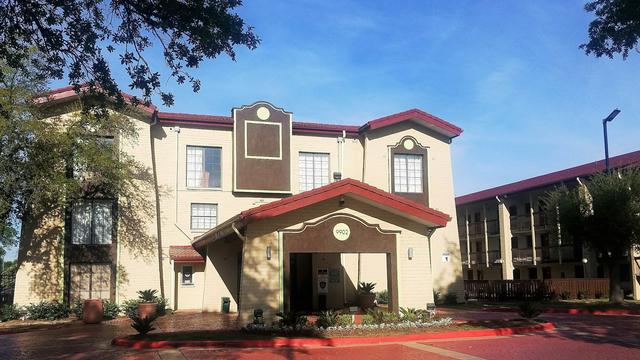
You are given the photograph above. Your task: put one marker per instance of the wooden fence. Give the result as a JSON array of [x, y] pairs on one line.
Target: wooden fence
[[498, 290]]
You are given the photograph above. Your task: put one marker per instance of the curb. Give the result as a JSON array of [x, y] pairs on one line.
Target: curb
[[306, 342], [573, 311]]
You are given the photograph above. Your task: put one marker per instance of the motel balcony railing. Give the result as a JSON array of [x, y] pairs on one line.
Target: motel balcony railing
[[553, 254], [520, 223], [522, 256]]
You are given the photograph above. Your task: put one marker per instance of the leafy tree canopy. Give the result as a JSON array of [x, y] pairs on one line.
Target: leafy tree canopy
[[616, 28], [45, 165], [604, 215], [74, 36]]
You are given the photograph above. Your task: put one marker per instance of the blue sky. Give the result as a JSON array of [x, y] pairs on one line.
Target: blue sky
[[509, 73]]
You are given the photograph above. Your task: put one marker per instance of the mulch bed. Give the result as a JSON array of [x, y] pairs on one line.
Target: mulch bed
[[222, 335]]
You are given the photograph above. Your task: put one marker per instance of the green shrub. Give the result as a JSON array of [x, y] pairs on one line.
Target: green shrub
[[366, 288], [130, 308], [581, 295], [529, 310], [390, 317], [382, 297], [47, 310], [149, 295], [291, 319], [327, 319], [145, 325], [110, 309], [565, 295], [368, 320], [344, 320], [10, 312], [451, 299], [437, 298], [163, 306], [76, 309], [409, 314], [376, 314]]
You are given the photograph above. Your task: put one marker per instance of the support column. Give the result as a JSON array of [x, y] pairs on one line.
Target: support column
[[486, 234], [533, 230], [505, 241], [635, 273], [466, 222]]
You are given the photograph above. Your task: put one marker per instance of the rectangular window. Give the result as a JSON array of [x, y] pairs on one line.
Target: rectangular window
[[90, 281], [529, 242], [313, 170], [514, 242], [204, 216], [516, 274], [203, 167], [187, 275], [533, 273], [92, 222], [407, 173], [513, 210]]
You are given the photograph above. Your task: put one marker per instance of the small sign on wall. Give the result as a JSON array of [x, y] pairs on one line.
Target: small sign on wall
[[341, 231], [323, 281], [446, 257]]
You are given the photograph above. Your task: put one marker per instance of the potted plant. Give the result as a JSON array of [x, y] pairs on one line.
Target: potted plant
[[366, 296], [148, 306], [92, 311]]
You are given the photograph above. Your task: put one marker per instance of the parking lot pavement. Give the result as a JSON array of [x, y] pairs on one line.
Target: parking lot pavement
[[577, 337]]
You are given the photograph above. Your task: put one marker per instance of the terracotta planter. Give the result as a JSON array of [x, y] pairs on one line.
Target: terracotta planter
[[147, 309], [366, 301], [92, 311]]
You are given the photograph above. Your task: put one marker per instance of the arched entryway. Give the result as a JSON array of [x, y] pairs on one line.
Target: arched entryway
[[325, 241]]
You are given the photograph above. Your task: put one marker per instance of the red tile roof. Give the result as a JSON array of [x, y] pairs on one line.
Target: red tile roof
[[378, 197], [423, 118], [185, 254], [632, 158], [418, 115]]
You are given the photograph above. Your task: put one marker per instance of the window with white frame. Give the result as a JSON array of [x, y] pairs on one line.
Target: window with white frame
[[313, 170], [187, 275], [407, 173], [92, 222], [204, 216], [203, 167]]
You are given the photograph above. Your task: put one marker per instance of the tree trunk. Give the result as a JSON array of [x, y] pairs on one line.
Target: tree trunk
[[616, 295]]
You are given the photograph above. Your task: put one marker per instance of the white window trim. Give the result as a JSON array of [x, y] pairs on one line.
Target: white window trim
[[92, 223], [186, 168], [193, 281], [300, 153], [394, 177], [191, 217]]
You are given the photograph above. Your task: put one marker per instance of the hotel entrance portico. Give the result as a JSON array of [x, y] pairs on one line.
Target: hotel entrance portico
[[298, 253], [315, 272]]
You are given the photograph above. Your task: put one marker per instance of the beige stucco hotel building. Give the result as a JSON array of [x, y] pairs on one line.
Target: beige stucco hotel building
[[258, 211], [505, 235]]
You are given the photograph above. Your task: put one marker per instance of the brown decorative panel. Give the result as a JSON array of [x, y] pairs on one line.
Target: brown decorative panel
[[410, 146], [262, 149]]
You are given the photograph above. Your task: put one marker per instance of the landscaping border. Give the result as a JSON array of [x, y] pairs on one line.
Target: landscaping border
[[307, 342], [572, 311]]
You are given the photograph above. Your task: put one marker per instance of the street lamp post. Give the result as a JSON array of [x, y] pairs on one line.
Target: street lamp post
[[609, 118]]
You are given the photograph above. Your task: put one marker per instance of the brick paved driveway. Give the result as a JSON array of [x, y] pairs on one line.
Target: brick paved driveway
[[577, 337]]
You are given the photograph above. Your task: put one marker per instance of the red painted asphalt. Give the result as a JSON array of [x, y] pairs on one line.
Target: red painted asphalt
[[378, 352], [534, 347]]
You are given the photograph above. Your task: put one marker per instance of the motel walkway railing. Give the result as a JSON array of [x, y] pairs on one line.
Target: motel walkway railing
[[500, 290]]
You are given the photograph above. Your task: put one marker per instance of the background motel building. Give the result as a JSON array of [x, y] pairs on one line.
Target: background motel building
[[504, 234], [258, 211]]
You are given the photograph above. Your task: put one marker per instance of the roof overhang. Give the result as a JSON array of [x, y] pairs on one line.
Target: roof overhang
[[345, 188]]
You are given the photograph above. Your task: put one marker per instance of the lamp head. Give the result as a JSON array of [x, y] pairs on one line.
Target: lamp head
[[612, 116]]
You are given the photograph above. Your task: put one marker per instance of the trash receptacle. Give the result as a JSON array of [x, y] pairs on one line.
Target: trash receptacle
[[226, 304]]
